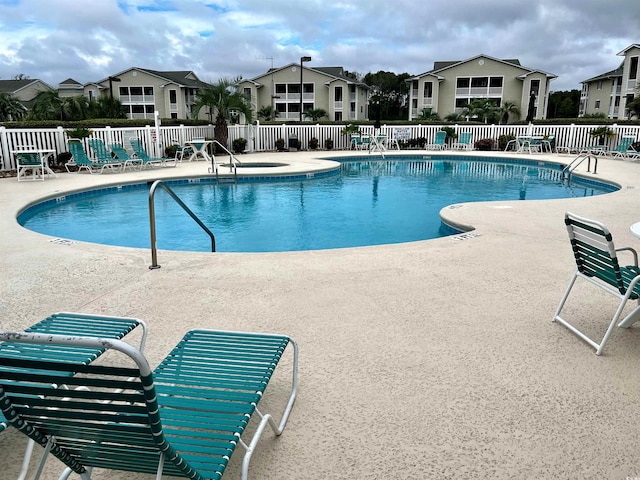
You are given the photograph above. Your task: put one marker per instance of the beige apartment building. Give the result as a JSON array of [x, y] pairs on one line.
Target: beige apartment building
[[342, 96], [142, 92], [449, 86], [609, 93]]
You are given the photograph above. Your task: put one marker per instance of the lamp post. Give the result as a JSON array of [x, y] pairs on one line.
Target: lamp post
[[111, 80], [302, 60]]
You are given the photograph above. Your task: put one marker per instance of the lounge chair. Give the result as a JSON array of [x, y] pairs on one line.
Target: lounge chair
[[356, 142], [146, 160], [81, 160], [122, 155], [464, 142], [68, 323], [100, 150], [597, 262], [185, 418], [623, 149], [438, 142]]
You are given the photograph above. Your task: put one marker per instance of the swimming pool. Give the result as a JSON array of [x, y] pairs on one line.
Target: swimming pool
[[366, 202]]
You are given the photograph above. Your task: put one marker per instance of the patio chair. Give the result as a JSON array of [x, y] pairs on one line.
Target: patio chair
[[438, 142], [100, 150], [81, 160], [145, 159], [623, 148], [121, 154], [183, 419], [356, 142], [68, 323], [464, 142], [26, 161], [597, 262]]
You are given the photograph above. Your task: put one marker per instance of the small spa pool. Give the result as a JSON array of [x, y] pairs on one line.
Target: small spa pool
[[366, 201]]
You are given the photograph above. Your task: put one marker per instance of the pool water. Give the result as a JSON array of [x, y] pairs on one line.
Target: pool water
[[367, 203]]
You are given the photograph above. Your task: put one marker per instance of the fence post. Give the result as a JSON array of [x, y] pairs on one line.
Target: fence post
[[61, 145], [6, 159]]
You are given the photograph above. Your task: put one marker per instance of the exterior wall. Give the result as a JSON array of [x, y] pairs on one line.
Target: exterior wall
[[446, 92], [630, 85], [598, 98], [265, 87], [155, 95], [30, 91]]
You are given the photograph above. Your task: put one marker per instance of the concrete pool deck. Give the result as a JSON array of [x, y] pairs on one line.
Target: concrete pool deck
[[426, 360]]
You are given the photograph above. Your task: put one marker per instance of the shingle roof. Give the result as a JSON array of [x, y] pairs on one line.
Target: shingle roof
[[604, 76], [11, 86]]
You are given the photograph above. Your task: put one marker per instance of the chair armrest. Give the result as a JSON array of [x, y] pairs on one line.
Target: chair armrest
[[633, 252]]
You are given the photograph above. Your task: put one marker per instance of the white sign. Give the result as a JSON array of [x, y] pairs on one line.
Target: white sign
[[401, 133]]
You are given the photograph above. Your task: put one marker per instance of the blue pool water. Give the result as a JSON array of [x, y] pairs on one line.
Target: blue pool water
[[368, 202]]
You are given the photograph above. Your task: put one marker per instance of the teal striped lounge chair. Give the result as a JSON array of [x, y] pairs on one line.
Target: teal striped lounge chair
[[623, 149], [597, 262], [145, 159], [438, 142], [183, 419], [127, 160], [68, 323], [464, 142], [81, 160]]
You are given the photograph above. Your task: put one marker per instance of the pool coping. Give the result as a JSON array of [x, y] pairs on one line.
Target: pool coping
[[461, 323]]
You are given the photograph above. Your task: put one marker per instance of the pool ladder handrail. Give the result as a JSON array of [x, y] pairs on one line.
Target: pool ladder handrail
[[575, 163], [152, 220], [233, 161]]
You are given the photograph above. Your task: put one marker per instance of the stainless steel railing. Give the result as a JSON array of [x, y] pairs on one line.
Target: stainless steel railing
[[152, 220]]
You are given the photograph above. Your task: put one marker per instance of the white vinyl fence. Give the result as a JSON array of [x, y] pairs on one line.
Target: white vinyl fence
[[261, 138]]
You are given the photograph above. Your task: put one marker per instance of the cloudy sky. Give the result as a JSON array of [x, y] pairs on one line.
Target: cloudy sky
[[90, 39]]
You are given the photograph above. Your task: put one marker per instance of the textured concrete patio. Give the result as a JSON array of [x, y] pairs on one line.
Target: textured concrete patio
[[427, 360]]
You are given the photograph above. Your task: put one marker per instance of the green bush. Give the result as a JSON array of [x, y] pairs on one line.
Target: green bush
[[504, 139], [485, 144]]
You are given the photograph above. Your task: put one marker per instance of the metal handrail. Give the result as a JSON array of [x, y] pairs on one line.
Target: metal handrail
[[233, 161], [152, 220], [577, 161]]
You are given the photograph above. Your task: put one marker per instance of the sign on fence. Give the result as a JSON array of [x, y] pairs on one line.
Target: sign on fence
[[401, 134]]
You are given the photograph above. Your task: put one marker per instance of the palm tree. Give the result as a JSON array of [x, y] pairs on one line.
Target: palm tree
[[507, 109], [224, 100], [428, 114], [49, 105], [482, 109], [11, 108], [104, 107], [315, 114], [267, 113]]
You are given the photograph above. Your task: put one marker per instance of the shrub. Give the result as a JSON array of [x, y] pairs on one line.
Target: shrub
[[280, 144], [328, 143], [313, 143], [504, 139], [170, 151], [239, 144], [485, 144]]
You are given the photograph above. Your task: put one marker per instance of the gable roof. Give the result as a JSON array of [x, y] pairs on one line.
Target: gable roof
[[606, 76], [183, 78], [334, 73], [14, 86], [440, 66], [70, 82], [633, 45]]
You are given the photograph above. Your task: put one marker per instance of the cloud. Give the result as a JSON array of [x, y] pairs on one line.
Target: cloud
[[57, 39]]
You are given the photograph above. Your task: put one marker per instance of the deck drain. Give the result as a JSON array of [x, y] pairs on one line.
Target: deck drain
[[466, 236], [62, 241]]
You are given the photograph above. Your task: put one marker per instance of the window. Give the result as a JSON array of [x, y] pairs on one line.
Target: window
[[428, 89], [495, 82], [479, 82], [462, 83], [337, 116], [148, 91], [633, 68], [173, 96], [338, 94], [597, 104], [281, 88], [535, 87], [174, 115], [599, 85], [462, 102]]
